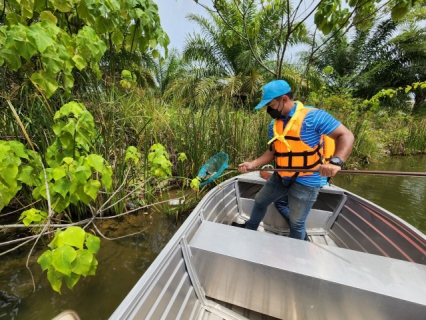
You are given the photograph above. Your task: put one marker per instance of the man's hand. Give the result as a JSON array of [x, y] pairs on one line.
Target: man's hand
[[265, 174], [242, 167], [329, 170]]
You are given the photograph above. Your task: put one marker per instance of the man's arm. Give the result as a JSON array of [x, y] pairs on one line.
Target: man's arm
[[344, 140], [265, 158]]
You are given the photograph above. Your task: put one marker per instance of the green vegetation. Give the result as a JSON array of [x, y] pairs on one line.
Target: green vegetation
[[64, 262], [95, 122]]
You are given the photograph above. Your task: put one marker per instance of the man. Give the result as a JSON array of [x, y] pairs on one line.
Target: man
[[297, 143], [282, 203]]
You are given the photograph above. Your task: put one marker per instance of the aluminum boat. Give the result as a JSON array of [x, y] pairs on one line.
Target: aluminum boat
[[362, 262]]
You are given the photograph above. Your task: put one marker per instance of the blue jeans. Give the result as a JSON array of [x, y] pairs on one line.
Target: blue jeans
[[282, 206], [301, 198]]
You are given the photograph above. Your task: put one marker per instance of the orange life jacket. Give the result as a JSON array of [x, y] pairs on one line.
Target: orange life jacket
[[291, 152]]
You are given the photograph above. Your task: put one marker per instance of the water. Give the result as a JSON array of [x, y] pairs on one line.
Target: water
[[403, 196], [122, 262]]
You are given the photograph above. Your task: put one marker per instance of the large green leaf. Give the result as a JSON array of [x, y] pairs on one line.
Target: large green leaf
[[55, 279], [114, 5], [93, 267], [83, 173], [39, 37], [47, 15], [96, 161], [6, 194], [62, 257], [80, 63], [72, 107], [70, 126], [117, 38], [67, 140], [93, 243], [14, 19], [27, 8], [105, 24], [57, 127], [59, 204], [45, 81], [84, 12], [26, 49], [67, 81], [9, 173], [58, 173], [57, 240], [82, 195], [106, 177], [62, 5], [12, 58], [91, 188], [18, 148], [74, 236], [72, 280], [45, 260], [52, 62], [29, 176], [82, 262], [400, 10], [62, 186]]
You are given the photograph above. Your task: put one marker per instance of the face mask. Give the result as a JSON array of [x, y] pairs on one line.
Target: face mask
[[274, 113]]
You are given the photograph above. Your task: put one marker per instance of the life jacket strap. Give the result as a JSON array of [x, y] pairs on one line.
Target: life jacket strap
[[287, 128], [290, 166], [305, 155]]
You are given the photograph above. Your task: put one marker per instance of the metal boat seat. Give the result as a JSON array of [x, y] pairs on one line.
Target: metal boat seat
[[292, 279]]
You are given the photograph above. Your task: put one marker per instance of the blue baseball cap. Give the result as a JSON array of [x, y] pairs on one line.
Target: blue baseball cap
[[272, 90]]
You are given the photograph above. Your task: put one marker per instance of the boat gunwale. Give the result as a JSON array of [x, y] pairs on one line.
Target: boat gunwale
[[132, 299]]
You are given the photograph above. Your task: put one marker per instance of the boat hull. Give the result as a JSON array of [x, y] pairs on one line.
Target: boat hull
[[362, 262]]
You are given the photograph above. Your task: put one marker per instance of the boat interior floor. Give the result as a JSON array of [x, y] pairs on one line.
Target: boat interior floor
[[314, 237], [239, 313], [323, 239]]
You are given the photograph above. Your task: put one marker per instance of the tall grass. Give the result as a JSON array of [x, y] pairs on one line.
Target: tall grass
[[132, 120], [142, 119], [366, 146], [409, 139]]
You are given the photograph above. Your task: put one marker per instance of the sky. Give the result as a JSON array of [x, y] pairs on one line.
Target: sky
[[172, 16], [173, 21]]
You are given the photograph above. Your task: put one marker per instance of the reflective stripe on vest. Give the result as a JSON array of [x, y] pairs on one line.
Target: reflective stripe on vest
[[290, 150]]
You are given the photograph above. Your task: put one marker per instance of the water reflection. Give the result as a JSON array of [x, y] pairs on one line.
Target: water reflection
[[121, 263], [403, 196]]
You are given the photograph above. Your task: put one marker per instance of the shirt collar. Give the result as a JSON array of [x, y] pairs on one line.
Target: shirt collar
[[291, 113]]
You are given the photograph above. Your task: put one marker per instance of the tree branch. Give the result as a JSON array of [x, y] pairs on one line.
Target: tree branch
[[10, 213]]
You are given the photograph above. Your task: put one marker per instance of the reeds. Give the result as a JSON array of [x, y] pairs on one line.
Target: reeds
[[409, 139], [142, 119]]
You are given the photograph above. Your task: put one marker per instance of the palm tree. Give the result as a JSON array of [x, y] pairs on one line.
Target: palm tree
[[222, 66], [166, 71], [385, 56]]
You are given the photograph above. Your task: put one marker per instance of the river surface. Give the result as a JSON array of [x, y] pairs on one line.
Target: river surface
[[122, 262], [403, 196]]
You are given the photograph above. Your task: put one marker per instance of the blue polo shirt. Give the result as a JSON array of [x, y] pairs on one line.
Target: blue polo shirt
[[316, 123]]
